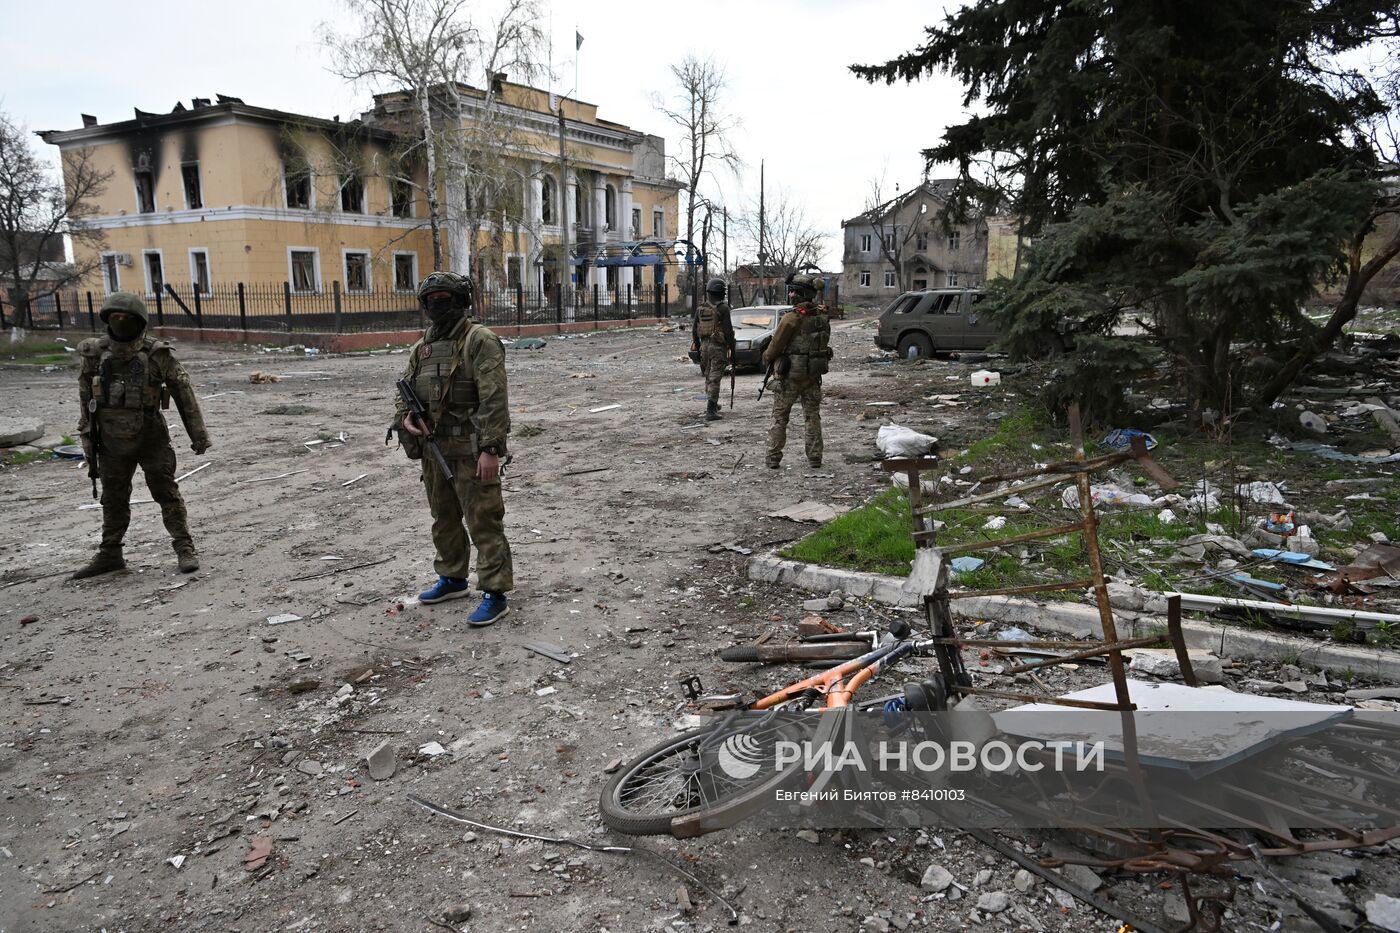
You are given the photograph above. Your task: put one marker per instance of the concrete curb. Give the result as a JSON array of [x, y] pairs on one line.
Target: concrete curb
[[1226, 640]]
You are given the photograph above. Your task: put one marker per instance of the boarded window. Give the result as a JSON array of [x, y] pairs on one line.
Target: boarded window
[[400, 198], [194, 198], [406, 272], [298, 189], [304, 270], [199, 270], [357, 272]]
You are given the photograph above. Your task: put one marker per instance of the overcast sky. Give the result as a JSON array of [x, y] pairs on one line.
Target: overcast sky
[[823, 133]]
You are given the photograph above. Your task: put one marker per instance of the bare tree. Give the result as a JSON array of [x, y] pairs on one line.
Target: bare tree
[[36, 211], [790, 241], [697, 110]]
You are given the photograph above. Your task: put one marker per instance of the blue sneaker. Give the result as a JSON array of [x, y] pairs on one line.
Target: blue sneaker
[[493, 606], [446, 588]]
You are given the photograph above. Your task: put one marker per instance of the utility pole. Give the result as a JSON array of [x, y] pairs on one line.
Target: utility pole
[[562, 212], [725, 260], [762, 254]]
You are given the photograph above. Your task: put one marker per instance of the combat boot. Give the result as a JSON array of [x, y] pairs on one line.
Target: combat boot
[[712, 411], [188, 559], [102, 562]]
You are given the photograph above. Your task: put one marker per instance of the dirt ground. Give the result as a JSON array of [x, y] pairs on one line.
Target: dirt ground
[[151, 716]]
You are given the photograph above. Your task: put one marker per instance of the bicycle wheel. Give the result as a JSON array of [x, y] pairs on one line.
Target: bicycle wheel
[[688, 779]]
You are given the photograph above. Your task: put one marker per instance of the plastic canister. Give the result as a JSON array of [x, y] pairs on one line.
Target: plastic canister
[[986, 377]]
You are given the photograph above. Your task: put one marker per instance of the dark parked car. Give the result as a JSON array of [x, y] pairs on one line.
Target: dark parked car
[[919, 323], [753, 328]]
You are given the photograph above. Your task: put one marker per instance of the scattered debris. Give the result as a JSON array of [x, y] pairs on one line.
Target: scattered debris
[[730, 546], [965, 564], [527, 343], [258, 377], [936, 878], [602, 408], [546, 650], [809, 512], [283, 618], [583, 375], [176, 860], [258, 853], [181, 479], [432, 749], [1314, 422], [268, 479], [986, 377]]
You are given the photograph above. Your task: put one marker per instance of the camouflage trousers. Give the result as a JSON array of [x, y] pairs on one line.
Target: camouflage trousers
[[786, 393], [157, 462], [465, 512], [713, 359]]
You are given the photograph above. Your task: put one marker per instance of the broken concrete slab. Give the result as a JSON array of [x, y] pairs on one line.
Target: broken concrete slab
[[936, 878], [1384, 911], [16, 430], [809, 511], [382, 762], [1162, 662]]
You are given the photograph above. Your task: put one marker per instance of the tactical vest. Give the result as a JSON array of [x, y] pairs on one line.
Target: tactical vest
[[809, 350], [707, 323], [445, 380], [127, 393]]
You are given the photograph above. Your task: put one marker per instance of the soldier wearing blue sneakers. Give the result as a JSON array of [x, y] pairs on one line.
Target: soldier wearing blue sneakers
[[458, 372]]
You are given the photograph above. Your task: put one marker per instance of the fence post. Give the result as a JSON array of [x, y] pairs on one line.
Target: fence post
[[595, 305], [335, 295], [519, 304], [58, 308], [198, 311], [160, 307], [666, 298], [242, 309], [92, 319], [629, 301], [287, 303]]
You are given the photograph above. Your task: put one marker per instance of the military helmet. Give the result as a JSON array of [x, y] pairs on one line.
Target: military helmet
[[126, 302], [715, 287], [458, 286], [805, 282]]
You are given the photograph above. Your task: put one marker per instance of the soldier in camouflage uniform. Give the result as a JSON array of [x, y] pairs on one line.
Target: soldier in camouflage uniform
[[458, 371], [127, 377], [799, 354], [713, 337]]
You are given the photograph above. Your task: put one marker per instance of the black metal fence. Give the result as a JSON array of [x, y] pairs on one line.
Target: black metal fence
[[264, 307]]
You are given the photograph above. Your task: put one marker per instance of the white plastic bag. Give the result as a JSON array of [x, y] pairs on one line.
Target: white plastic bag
[[898, 441]]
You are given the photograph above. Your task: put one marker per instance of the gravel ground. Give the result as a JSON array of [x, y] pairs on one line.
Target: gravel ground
[[157, 725]]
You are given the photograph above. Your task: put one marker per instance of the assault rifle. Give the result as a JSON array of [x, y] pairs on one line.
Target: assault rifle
[[767, 378], [420, 411], [94, 441]]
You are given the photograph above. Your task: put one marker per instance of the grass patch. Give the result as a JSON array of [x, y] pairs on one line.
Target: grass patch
[[46, 353], [874, 538], [28, 457]]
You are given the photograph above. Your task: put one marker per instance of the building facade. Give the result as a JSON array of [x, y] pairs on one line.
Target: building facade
[[222, 191], [905, 244]]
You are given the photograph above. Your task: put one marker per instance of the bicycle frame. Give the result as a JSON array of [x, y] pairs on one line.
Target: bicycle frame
[[840, 683]]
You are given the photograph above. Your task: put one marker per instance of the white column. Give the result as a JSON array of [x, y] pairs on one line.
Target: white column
[[624, 226], [571, 201], [600, 204]]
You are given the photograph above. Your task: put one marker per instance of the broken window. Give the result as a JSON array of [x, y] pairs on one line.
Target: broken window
[[905, 305], [303, 266], [405, 271], [352, 195], [865, 278], [110, 277], [194, 198], [954, 240], [400, 197], [145, 191], [298, 183], [155, 274], [357, 272], [944, 304], [199, 270], [547, 196]]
